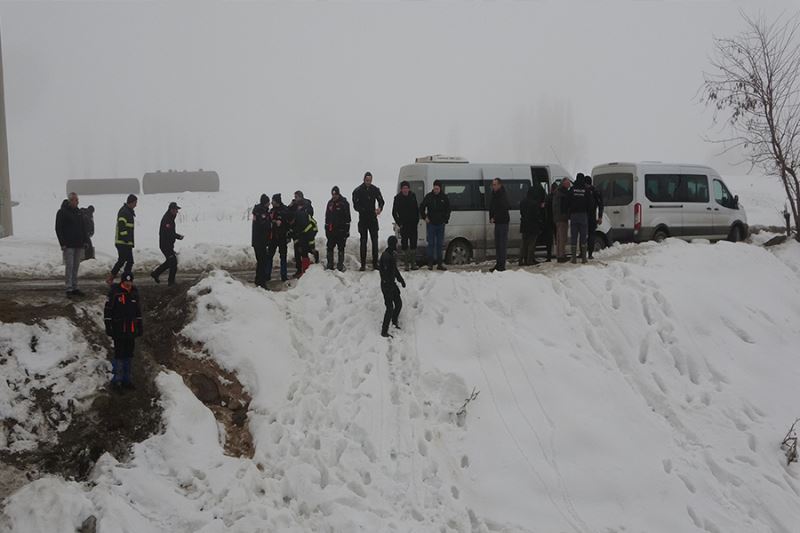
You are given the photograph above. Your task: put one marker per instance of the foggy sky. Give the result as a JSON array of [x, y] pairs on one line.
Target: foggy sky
[[276, 93]]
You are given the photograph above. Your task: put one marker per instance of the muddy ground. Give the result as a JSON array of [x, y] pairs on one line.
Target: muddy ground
[[116, 420]]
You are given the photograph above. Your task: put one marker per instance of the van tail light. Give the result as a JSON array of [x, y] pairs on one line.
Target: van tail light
[[637, 217]]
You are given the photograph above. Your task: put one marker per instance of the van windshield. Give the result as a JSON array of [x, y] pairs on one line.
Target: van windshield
[[616, 189]]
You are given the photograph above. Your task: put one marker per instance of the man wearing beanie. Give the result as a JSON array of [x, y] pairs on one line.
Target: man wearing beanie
[[337, 227], [405, 212], [278, 236], [123, 319], [167, 235], [391, 293], [364, 198], [260, 239]]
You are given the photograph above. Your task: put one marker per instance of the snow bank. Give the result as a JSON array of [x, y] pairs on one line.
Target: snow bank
[[51, 359], [646, 392]]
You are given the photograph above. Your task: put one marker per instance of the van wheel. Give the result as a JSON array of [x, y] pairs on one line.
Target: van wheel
[[459, 252], [660, 235], [600, 242], [736, 234]]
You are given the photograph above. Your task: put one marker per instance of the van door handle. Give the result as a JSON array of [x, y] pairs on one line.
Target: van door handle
[[616, 212], [708, 209]]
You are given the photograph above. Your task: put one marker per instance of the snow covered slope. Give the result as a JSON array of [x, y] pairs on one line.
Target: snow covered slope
[[647, 392]]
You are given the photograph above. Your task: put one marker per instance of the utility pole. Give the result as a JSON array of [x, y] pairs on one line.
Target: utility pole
[[6, 227]]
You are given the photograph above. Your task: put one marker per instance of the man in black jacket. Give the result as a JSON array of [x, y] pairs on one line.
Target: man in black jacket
[[123, 320], [500, 217], [259, 239], [88, 225], [278, 236], [337, 227], [531, 210], [123, 237], [595, 213], [166, 242], [301, 213], [549, 221], [364, 198], [405, 212], [578, 206], [391, 293], [435, 210], [72, 238]]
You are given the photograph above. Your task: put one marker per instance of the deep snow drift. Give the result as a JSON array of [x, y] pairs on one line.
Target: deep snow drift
[[646, 392]]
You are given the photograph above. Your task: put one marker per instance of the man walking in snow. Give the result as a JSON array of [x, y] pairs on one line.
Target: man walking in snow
[[595, 213], [405, 212], [387, 266], [531, 210], [365, 196], [166, 242], [123, 237], [337, 227], [260, 239], [578, 207], [72, 238], [123, 320], [435, 209], [500, 217]]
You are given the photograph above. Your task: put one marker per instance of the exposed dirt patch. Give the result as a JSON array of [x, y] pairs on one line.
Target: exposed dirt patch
[[117, 420]]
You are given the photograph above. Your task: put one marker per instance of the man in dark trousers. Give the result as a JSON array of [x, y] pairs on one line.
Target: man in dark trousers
[[337, 227], [405, 211], [278, 236], [260, 239], [500, 217], [578, 207], [435, 210], [123, 237], [71, 233], [123, 319], [595, 213], [561, 219], [549, 221], [364, 198], [166, 241], [88, 225], [531, 210], [301, 213], [391, 293]]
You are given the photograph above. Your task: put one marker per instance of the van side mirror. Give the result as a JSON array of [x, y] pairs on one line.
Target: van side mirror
[[736, 202]]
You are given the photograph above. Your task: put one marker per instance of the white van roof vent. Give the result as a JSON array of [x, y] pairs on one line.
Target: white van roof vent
[[439, 158]]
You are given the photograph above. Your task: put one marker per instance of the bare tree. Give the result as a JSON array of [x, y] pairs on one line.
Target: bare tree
[[755, 89]]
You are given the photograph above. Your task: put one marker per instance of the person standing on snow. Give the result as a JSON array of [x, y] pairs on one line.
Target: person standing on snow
[[303, 228], [578, 207], [167, 235], [435, 210], [549, 221], [561, 218], [364, 198], [595, 213], [387, 266], [259, 239], [88, 225], [337, 227], [531, 210], [72, 238], [278, 236], [405, 212], [123, 237], [301, 203], [123, 320], [500, 217]]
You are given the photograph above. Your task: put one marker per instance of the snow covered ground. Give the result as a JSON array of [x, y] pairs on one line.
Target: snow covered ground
[[646, 392], [217, 226]]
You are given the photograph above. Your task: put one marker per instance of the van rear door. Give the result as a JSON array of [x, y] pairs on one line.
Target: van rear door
[[615, 184]]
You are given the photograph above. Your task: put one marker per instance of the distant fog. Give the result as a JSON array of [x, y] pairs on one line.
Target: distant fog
[[275, 95]]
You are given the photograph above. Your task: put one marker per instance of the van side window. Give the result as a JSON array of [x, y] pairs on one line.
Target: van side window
[[722, 195], [695, 188], [662, 187], [464, 195], [516, 191], [418, 188]]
